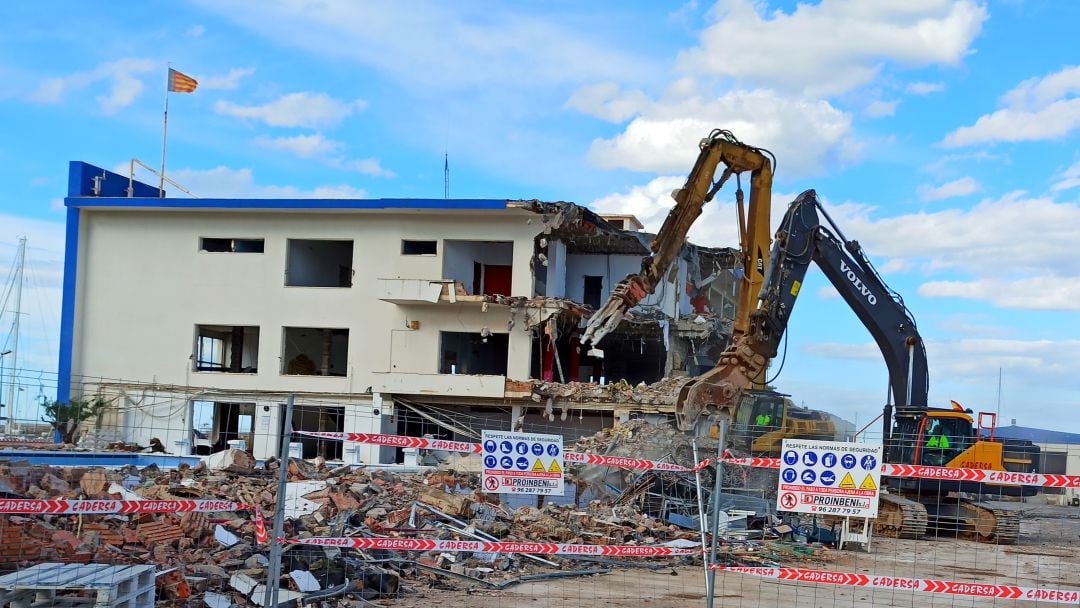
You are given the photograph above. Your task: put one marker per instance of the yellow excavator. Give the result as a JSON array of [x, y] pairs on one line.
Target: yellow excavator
[[913, 432]]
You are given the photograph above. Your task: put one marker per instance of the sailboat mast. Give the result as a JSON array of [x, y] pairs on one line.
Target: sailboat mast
[[20, 265]]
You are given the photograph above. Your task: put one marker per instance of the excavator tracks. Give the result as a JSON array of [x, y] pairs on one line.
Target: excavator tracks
[[972, 520], [900, 517]]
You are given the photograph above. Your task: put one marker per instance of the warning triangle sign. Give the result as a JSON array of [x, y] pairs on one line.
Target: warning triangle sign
[[868, 483], [554, 468], [538, 466], [847, 482]]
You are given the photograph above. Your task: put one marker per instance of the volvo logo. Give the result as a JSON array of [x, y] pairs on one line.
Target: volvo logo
[[857, 282]]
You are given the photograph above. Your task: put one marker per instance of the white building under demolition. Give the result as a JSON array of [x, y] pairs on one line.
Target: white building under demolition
[[197, 316]]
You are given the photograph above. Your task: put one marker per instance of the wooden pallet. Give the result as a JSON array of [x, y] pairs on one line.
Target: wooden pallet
[[79, 586]]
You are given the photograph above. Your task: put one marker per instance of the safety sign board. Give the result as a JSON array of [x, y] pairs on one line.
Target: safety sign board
[[829, 478], [522, 463]]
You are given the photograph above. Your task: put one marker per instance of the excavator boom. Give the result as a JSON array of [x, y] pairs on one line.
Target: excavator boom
[[720, 147]]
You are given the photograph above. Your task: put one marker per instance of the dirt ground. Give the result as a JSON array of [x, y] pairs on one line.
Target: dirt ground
[[1047, 556]]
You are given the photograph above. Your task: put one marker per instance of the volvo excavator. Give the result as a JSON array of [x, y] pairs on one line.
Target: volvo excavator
[[912, 430]]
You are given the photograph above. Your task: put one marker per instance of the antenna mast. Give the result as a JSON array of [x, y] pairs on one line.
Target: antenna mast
[[9, 425], [446, 175]]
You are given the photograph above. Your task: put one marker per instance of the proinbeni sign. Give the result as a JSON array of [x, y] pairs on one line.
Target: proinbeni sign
[[829, 478], [522, 463]]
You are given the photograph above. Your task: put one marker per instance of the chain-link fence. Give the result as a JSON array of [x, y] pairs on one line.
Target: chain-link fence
[[382, 501]]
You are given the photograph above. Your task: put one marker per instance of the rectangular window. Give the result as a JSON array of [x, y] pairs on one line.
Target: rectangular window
[[227, 348], [315, 351], [481, 267], [594, 286], [473, 353], [318, 263], [220, 245], [419, 247], [214, 423]]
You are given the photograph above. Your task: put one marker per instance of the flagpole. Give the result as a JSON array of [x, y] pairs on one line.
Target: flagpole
[[164, 133]]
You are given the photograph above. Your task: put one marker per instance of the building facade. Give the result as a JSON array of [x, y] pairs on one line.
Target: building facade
[[195, 317]]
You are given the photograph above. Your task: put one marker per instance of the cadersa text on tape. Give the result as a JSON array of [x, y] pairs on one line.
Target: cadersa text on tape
[[93, 506], [1053, 595], [972, 589], [1015, 478], [22, 506], [895, 582], [821, 576]]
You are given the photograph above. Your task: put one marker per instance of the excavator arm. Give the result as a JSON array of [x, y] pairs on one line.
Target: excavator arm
[[801, 240], [720, 147]]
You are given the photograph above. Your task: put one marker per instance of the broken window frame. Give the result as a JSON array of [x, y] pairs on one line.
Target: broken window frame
[[220, 413], [407, 244], [220, 341], [340, 283], [322, 369], [233, 245]]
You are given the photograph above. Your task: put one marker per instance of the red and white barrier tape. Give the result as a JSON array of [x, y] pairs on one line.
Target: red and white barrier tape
[[452, 546], [402, 441], [988, 476], [106, 507], [261, 536], [890, 470], [925, 585]]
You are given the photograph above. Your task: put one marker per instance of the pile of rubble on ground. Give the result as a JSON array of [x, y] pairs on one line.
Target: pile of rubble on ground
[[213, 559], [662, 392]]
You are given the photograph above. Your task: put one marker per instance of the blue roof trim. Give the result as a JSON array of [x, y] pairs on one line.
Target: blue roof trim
[[457, 204]]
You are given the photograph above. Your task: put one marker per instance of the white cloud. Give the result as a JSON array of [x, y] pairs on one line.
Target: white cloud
[[834, 46], [368, 166], [1016, 251], [880, 109], [943, 165], [122, 75], [304, 146], [304, 109], [974, 359], [1036, 109], [226, 82], [446, 46], [807, 135], [1034, 293], [226, 182], [607, 101], [925, 88], [1067, 179], [196, 31], [960, 187], [828, 292]]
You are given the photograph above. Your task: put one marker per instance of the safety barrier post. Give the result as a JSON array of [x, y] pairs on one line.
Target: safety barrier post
[[701, 516], [273, 576], [723, 421]]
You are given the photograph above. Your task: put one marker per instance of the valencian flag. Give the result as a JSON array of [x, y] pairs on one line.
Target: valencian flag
[[181, 83], [956, 406]]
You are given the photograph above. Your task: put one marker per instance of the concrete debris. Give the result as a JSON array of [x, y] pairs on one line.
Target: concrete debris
[[663, 392], [214, 559]]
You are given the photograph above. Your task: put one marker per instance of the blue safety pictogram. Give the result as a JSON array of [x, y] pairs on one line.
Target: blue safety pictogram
[[522, 448], [809, 476], [537, 449], [828, 478], [809, 458], [522, 463], [506, 462], [847, 461], [553, 450], [828, 460], [506, 447], [489, 446], [791, 457], [490, 461], [868, 462], [789, 475]]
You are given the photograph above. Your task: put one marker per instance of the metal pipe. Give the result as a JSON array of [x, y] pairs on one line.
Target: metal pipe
[[723, 422], [273, 578], [701, 517], [910, 371]]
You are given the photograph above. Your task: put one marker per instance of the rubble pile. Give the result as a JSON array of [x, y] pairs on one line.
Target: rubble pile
[[662, 392], [212, 559]]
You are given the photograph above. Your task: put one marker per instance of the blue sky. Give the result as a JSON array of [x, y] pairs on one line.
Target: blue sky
[[941, 134]]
